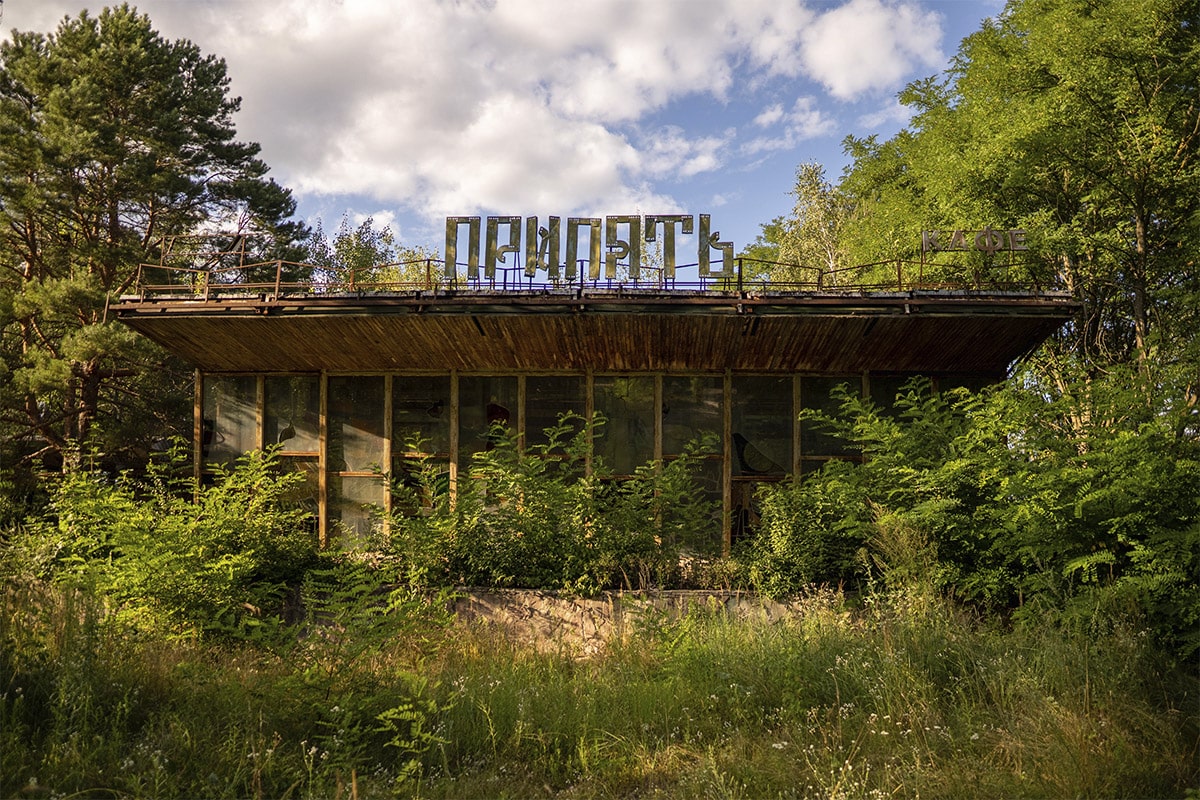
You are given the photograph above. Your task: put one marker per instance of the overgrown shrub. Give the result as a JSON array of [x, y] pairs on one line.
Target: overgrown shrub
[[1027, 505], [535, 518], [166, 553]]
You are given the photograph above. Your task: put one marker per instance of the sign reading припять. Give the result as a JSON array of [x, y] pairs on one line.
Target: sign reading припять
[[622, 240]]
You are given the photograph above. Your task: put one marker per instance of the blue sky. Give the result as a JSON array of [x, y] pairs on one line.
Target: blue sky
[[412, 111]]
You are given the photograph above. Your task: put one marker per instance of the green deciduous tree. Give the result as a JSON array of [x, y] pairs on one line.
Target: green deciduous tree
[[111, 137], [1077, 120], [369, 256], [1074, 487], [809, 245], [814, 236]]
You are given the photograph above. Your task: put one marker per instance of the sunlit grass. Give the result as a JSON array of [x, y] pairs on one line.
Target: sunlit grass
[[897, 699]]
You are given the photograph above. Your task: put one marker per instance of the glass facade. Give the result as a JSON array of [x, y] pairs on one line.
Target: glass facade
[[229, 420], [819, 393], [420, 432], [421, 429], [693, 420], [692, 414], [354, 503], [762, 426], [487, 412], [626, 439], [356, 424], [292, 413], [547, 399]]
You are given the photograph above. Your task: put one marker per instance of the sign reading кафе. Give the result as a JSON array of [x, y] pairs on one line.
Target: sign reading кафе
[[621, 239], [986, 241]]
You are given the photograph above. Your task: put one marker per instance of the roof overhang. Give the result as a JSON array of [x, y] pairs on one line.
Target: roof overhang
[[931, 331]]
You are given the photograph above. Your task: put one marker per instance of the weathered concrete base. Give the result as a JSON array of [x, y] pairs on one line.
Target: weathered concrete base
[[584, 626]]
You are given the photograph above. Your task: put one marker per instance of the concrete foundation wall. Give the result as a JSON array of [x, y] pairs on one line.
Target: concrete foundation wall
[[585, 625]]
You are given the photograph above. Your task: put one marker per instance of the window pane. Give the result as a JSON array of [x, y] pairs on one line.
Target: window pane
[[691, 407], [355, 423], [423, 483], [293, 413], [707, 539], [746, 510], [884, 389], [815, 394], [421, 412], [482, 402], [762, 425], [547, 397], [353, 503], [304, 494], [626, 440], [230, 418]]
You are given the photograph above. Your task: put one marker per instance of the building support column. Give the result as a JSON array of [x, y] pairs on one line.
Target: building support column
[[198, 433], [387, 453], [454, 415], [797, 463], [323, 462], [727, 464]]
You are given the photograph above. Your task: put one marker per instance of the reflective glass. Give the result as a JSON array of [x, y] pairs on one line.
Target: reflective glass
[[707, 539], [293, 413], [421, 414], [354, 503], [815, 393], [884, 389], [306, 493], [356, 423], [230, 418], [626, 439], [691, 408], [483, 402], [420, 483], [762, 417], [547, 398]]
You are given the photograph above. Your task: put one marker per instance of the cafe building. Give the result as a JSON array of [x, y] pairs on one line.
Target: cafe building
[[357, 378]]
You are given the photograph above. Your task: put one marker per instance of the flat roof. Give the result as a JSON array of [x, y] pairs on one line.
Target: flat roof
[[616, 330]]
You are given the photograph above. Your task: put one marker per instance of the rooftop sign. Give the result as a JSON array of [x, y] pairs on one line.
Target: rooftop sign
[[621, 239], [986, 241]]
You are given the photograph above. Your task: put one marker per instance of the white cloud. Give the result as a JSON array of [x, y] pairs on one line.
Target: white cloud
[[668, 152], [868, 45], [529, 106], [805, 121], [769, 116]]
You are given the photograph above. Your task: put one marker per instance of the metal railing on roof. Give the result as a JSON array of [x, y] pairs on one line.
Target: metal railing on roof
[[280, 278]]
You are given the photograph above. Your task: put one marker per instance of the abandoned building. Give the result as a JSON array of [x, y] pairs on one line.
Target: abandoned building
[[357, 375]]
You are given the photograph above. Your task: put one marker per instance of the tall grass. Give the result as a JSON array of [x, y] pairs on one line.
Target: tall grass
[[894, 699]]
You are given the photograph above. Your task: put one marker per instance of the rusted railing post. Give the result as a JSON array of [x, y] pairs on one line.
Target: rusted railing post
[[278, 276]]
